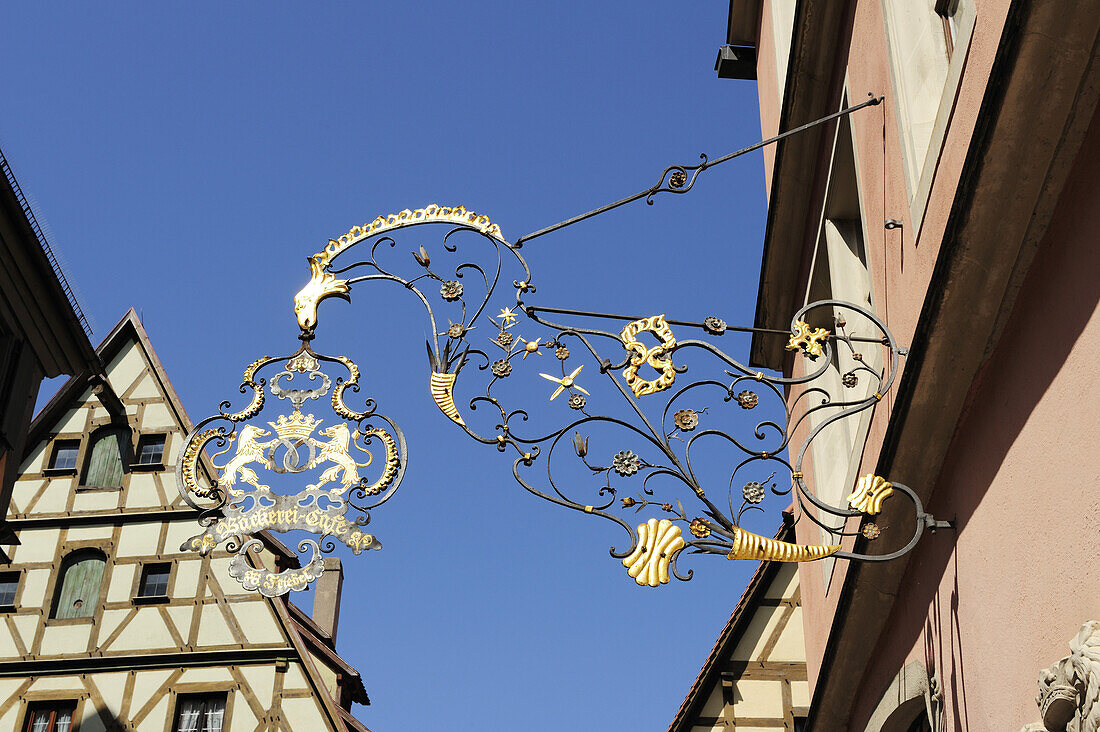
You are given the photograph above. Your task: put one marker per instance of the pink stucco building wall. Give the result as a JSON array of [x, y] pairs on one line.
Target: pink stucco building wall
[[983, 608]]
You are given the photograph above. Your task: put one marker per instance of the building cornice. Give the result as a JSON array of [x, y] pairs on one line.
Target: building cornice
[[1041, 96], [815, 77]]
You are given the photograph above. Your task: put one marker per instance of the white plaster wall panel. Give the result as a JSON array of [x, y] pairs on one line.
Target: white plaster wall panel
[[54, 498], [73, 421], [201, 675], [10, 718], [181, 618], [800, 693], [158, 417], [35, 582], [36, 461], [60, 640], [784, 584], [328, 676], [219, 570], [261, 679], [714, 704], [142, 492], [791, 644], [303, 714], [145, 632], [26, 625], [157, 718], [295, 677], [146, 683], [121, 582], [757, 634], [59, 683], [89, 532], [172, 451], [38, 545], [22, 493], [213, 628], [186, 583], [126, 367], [757, 699], [138, 540], [180, 531], [243, 718], [146, 388], [90, 720], [112, 688], [257, 619], [108, 621], [95, 500], [8, 648]]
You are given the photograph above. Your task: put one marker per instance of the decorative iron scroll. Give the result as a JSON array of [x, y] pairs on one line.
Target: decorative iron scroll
[[342, 454], [662, 423]]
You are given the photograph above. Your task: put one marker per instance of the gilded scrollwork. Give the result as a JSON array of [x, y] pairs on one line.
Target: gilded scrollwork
[[870, 492], [747, 545], [257, 402], [658, 544], [657, 357], [189, 462], [808, 339]]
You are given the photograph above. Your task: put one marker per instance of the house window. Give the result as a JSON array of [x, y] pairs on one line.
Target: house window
[[154, 580], [200, 713], [150, 450], [64, 455], [51, 717], [77, 594], [9, 585], [105, 463]]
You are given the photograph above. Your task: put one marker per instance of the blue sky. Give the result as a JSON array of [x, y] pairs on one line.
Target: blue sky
[[188, 158]]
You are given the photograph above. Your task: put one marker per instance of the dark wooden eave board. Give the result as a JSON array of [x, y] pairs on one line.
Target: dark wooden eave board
[[814, 84], [743, 25], [1040, 99], [32, 297]]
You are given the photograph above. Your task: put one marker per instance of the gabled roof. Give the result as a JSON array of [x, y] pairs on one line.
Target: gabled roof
[[723, 648], [300, 629], [130, 326]]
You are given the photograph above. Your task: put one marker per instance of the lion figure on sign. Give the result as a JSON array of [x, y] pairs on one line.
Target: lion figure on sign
[[249, 450], [336, 451]]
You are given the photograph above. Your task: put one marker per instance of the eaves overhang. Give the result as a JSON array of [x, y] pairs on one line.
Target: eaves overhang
[[814, 89], [1026, 137], [34, 295]]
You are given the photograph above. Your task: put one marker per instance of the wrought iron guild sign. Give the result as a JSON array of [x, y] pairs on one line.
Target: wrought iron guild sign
[[663, 418], [355, 460], [629, 382]]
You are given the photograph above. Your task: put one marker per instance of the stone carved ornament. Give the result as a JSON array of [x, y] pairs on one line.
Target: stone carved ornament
[[1070, 688]]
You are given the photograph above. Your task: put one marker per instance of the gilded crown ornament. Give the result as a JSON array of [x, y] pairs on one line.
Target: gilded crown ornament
[[233, 488]]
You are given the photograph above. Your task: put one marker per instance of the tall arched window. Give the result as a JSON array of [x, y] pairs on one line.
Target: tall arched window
[[106, 458], [77, 594]]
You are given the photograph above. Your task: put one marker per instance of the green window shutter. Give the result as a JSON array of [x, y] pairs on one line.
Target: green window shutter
[[105, 463], [79, 596]]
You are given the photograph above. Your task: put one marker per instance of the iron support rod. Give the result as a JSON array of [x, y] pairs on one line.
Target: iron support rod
[[688, 323], [697, 169]]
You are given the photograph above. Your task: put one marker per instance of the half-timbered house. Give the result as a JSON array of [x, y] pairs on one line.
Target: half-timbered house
[[754, 679], [106, 625]]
